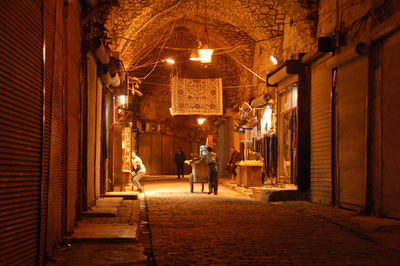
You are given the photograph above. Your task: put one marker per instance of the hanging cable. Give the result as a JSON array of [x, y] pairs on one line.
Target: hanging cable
[[251, 71], [159, 54]]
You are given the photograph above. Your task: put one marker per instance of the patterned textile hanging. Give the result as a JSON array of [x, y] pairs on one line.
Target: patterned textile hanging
[[196, 96]]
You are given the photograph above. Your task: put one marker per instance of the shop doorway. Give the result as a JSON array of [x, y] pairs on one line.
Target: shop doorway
[[287, 136]]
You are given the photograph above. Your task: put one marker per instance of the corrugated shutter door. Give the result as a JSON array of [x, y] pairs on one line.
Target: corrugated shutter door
[[352, 84], [72, 109], [21, 97], [55, 119], [321, 133], [390, 127], [156, 156], [168, 155]]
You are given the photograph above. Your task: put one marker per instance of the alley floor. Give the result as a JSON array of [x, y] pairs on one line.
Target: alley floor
[[233, 229]]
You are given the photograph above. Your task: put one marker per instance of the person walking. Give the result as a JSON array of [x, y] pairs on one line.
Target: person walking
[[138, 171], [180, 162], [210, 159], [231, 166]]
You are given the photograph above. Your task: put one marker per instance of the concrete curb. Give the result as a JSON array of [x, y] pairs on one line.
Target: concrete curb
[[144, 232]]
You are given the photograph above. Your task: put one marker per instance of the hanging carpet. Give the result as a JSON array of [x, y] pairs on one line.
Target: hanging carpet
[[196, 96]]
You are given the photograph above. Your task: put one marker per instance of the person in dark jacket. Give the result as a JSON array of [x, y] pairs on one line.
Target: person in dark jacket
[[231, 166], [180, 162]]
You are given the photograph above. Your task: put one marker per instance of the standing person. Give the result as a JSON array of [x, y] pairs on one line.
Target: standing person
[[210, 159], [180, 162], [235, 157], [138, 171]]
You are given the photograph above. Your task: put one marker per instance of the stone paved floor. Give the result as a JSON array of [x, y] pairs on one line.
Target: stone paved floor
[[233, 229], [116, 250]]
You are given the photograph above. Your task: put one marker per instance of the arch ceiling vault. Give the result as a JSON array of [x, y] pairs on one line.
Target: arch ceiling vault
[[136, 26], [145, 31]]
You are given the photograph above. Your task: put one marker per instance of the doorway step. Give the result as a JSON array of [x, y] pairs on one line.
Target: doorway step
[[285, 193]]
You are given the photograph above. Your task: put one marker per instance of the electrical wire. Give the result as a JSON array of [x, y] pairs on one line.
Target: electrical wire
[[251, 71], [159, 54]]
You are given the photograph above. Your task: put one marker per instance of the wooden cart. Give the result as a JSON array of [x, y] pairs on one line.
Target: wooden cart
[[199, 175]]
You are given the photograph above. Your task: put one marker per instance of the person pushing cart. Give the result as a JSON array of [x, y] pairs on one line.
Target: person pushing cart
[[210, 159]]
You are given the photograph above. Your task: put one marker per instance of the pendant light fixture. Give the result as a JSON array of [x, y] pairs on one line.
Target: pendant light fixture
[[203, 53], [195, 56]]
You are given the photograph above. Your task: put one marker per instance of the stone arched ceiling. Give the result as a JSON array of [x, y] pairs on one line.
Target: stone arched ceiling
[[136, 26], [144, 32]]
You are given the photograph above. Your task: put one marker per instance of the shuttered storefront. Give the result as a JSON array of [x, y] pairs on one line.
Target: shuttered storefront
[[55, 113], [91, 129], [321, 133], [72, 108], [167, 152], [21, 110], [390, 126], [145, 151], [352, 84], [156, 153]]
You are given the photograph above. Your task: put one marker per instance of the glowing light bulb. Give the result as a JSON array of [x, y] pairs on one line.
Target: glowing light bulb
[[273, 59], [200, 121]]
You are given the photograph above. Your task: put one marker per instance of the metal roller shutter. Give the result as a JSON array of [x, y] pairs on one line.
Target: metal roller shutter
[[390, 127], [72, 109], [156, 156], [21, 114], [352, 84], [145, 151], [321, 133], [55, 116], [167, 154]]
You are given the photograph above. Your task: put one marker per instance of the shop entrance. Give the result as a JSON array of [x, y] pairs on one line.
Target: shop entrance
[[287, 136]]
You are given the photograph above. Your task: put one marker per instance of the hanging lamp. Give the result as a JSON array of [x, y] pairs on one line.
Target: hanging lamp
[[203, 53]]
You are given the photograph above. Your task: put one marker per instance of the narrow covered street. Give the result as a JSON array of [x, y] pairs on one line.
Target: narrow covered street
[[115, 113]]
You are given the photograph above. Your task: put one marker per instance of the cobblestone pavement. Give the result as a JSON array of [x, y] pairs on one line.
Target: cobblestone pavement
[[106, 251], [231, 228]]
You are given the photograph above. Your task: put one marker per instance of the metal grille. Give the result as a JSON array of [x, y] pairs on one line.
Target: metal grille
[[21, 96], [321, 133]]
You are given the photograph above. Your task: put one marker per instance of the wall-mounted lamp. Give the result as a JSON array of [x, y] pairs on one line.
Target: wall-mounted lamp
[[273, 59]]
